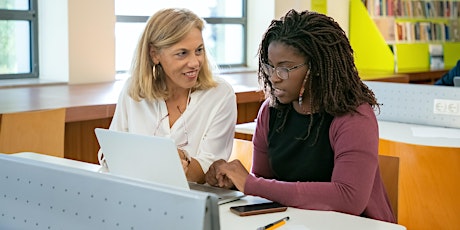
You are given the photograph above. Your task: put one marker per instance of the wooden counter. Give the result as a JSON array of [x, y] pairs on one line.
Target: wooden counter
[[424, 76], [90, 106], [384, 76], [429, 163]]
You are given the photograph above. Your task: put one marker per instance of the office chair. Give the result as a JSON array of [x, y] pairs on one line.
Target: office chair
[[37, 131], [389, 171], [242, 150]]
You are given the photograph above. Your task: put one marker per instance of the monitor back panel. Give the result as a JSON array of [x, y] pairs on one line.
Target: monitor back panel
[[414, 103], [41, 195]]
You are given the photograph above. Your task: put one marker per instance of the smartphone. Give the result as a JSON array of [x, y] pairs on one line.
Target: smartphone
[[255, 209]]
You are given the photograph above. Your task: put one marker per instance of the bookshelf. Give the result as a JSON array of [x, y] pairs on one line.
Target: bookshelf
[[401, 35]]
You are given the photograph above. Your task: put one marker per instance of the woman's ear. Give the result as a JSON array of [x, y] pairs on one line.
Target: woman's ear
[[153, 54]]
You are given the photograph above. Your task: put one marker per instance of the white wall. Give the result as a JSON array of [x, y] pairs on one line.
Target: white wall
[[53, 40], [92, 40], [283, 6], [339, 10], [77, 40], [260, 14]]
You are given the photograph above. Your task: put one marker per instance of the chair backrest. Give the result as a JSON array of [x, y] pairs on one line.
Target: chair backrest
[[37, 131], [242, 150], [389, 170]]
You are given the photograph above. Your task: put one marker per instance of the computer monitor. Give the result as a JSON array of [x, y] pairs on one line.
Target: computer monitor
[[457, 81]]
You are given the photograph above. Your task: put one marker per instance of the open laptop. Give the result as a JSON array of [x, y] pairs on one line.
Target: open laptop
[[153, 159], [457, 81]]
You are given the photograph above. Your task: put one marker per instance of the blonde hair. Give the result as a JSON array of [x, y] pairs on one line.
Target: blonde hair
[[164, 29]]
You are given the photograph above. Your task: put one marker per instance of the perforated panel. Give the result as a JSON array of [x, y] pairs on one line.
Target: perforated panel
[[412, 103], [40, 195]]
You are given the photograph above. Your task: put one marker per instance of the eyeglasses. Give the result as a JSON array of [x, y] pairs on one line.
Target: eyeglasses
[[281, 72], [180, 146]]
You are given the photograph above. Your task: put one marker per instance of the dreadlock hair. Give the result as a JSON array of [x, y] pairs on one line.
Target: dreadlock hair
[[334, 85]]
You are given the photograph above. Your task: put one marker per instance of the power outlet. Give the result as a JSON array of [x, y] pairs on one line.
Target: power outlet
[[448, 107]]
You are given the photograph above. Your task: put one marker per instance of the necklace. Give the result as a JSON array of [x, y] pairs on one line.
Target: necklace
[[186, 104]]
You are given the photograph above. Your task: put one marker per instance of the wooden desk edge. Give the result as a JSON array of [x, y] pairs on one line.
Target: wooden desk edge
[[90, 112]]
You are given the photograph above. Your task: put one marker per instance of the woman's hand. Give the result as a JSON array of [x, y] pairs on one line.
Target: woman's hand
[[235, 171], [184, 158], [227, 174], [192, 167], [211, 176]]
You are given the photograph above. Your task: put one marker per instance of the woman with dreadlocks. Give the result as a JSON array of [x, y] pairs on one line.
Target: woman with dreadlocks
[[316, 139]]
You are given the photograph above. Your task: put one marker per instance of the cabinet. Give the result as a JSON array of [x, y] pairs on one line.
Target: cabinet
[[398, 35]]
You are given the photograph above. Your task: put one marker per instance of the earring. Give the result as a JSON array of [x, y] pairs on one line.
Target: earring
[[302, 90], [154, 69]]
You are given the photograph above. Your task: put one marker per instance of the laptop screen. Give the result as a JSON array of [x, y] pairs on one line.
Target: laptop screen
[[153, 159], [150, 158]]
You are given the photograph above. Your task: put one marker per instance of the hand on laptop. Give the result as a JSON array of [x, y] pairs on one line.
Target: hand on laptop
[[211, 177], [227, 174], [184, 158]]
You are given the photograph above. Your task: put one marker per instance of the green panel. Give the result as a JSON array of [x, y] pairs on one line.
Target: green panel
[[412, 57], [451, 54], [319, 6], [371, 50]]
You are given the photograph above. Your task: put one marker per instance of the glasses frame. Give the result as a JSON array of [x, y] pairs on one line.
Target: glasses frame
[[269, 70]]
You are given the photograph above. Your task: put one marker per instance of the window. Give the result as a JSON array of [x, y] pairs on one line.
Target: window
[[18, 35], [224, 35]]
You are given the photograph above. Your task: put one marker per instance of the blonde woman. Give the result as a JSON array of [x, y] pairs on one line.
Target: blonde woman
[[172, 93]]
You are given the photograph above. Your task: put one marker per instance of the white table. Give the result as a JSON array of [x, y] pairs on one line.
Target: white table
[[299, 219], [400, 132], [419, 134]]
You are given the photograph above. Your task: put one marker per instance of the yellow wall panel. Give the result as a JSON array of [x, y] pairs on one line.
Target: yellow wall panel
[[371, 49], [412, 57]]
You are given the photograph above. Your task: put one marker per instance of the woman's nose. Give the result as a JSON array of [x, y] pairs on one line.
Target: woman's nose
[[194, 61], [274, 77]]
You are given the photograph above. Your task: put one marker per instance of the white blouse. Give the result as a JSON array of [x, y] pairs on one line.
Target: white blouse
[[209, 121]]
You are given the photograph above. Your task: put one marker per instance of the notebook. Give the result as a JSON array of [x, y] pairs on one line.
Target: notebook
[[153, 159], [457, 81]]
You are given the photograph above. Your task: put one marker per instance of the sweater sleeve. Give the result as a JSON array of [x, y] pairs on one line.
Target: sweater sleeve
[[260, 165], [448, 78], [354, 140]]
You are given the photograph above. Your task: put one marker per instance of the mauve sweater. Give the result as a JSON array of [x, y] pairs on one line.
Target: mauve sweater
[[356, 186]]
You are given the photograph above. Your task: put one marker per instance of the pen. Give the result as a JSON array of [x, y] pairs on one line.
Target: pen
[[275, 224]]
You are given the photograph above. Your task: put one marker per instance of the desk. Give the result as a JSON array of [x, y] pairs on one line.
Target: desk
[[424, 76], [384, 76], [90, 106], [299, 219], [428, 187]]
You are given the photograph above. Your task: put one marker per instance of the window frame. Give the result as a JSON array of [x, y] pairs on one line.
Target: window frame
[[30, 15], [209, 20]]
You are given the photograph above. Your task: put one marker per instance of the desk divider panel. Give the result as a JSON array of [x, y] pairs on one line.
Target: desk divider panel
[[42, 195], [413, 103]]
